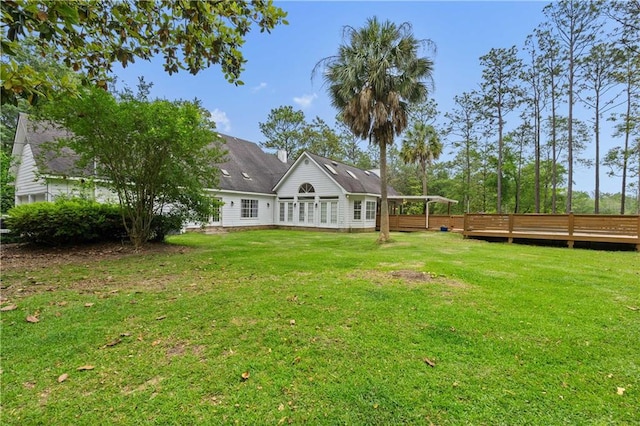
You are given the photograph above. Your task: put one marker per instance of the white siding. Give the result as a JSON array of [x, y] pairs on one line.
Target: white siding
[[27, 183], [306, 171]]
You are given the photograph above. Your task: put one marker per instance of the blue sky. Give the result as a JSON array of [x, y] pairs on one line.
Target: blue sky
[[279, 67]]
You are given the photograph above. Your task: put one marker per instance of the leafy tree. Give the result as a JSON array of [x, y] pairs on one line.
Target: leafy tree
[[501, 95], [372, 81], [6, 182], [552, 68], [535, 99], [629, 122], [463, 126], [421, 145], [597, 71], [322, 140], [91, 35], [284, 130], [156, 155], [626, 14], [576, 24]]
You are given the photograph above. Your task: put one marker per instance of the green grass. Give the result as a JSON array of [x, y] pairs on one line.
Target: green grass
[[333, 329]]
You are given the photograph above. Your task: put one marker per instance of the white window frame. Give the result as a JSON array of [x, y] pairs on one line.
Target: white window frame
[[248, 208]]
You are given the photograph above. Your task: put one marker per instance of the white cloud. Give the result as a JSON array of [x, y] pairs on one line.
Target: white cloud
[[259, 87], [305, 101], [222, 121]]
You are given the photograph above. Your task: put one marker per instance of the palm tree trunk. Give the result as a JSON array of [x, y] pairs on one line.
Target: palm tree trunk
[[384, 206]]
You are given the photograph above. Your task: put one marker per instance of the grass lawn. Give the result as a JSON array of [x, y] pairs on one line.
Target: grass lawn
[[326, 329]]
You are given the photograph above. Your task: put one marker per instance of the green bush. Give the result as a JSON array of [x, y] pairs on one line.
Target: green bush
[[77, 220], [165, 224], [66, 221]]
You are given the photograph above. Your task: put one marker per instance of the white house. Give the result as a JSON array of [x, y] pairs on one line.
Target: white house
[[257, 189]]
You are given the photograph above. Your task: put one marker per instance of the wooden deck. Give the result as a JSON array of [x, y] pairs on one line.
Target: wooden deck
[[615, 229], [418, 222]]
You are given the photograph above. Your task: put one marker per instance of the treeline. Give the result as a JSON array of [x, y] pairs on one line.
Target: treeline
[[514, 144]]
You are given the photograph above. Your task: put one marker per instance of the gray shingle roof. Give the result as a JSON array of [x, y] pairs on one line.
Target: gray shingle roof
[[63, 163], [263, 169], [363, 183]]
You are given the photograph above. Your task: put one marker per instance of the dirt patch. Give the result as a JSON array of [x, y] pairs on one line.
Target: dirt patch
[[413, 275], [408, 276], [28, 257]]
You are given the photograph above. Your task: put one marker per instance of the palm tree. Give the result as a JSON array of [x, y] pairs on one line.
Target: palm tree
[[421, 145], [372, 81]]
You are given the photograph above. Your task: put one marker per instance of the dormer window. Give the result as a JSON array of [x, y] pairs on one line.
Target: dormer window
[[331, 169]]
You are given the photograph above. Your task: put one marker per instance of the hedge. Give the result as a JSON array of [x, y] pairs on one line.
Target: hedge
[[74, 221]]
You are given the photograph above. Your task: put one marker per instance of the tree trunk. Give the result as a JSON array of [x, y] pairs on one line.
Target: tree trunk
[[384, 206]]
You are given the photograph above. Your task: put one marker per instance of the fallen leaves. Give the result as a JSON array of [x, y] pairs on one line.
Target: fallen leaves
[[429, 362], [88, 305], [8, 308], [32, 319], [85, 368], [161, 317], [620, 391], [63, 377], [245, 376]]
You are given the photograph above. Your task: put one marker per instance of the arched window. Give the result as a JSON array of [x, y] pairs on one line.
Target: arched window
[[306, 188]]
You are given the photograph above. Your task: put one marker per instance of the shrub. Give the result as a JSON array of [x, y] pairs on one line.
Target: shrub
[[165, 224], [66, 221]]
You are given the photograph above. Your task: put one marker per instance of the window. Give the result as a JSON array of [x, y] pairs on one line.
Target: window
[[248, 208], [357, 210], [290, 211], [282, 211], [306, 188], [225, 172], [334, 212], [246, 176], [371, 210], [301, 212], [323, 212], [216, 213]]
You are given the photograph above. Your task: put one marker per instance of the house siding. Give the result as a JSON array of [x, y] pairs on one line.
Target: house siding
[[29, 187], [326, 191]]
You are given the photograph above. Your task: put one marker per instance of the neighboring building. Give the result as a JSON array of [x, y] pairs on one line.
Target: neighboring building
[[257, 189]]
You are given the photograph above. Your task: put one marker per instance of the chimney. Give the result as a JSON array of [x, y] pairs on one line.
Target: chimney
[[282, 155]]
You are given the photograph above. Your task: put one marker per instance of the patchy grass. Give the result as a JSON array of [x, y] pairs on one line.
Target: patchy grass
[[326, 329]]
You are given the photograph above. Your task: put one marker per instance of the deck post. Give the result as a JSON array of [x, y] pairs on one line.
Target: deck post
[[464, 225], [570, 226], [510, 240]]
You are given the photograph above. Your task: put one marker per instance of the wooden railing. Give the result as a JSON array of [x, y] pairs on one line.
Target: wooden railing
[[563, 227], [418, 222]]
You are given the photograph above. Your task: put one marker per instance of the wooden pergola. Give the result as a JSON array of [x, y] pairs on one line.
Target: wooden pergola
[[396, 202]]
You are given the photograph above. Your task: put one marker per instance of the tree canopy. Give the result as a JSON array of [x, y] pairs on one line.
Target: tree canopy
[[156, 155], [377, 73], [91, 35]]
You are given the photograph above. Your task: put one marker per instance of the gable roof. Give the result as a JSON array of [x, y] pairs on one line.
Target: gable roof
[[37, 134], [350, 178], [263, 170]]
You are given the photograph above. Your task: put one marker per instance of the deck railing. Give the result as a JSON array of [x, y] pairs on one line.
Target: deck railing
[[563, 227], [418, 222]]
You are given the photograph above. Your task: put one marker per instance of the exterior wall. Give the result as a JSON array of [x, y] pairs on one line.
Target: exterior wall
[[231, 211], [364, 223], [319, 206], [29, 188]]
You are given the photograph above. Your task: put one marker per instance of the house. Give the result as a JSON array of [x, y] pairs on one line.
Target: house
[[257, 189]]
